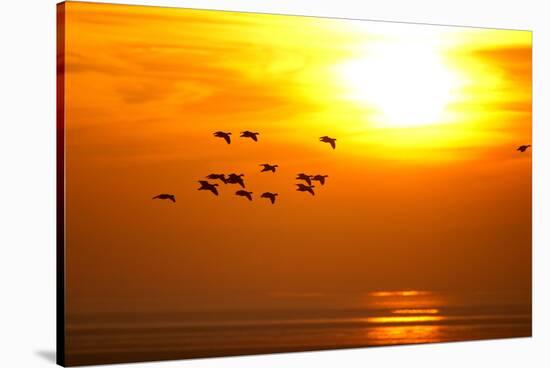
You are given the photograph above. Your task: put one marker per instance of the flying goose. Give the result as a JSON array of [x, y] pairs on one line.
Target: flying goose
[[249, 134], [166, 196], [327, 139], [523, 148], [224, 135], [218, 177], [270, 196], [305, 177], [320, 178], [244, 193], [235, 179], [268, 167], [306, 188], [207, 186]]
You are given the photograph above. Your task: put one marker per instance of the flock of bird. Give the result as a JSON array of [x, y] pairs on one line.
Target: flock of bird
[[238, 178]]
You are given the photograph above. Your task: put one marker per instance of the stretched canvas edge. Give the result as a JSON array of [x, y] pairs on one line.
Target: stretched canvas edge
[[60, 184]]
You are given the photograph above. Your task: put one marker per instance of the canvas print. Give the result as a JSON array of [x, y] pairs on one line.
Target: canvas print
[[236, 183]]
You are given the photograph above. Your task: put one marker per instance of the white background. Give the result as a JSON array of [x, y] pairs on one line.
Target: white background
[[27, 182]]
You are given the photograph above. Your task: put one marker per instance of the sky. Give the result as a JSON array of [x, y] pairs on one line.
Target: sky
[[425, 189]]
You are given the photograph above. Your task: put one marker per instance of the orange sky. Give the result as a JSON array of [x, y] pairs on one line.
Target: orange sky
[[425, 188]]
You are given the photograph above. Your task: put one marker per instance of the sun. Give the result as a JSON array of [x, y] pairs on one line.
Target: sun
[[401, 83]]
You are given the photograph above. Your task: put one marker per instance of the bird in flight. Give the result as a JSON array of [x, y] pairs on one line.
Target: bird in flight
[[208, 186], [270, 196], [327, 139], [244, 193], [306, 188], [223, 135], [523, 148], [218, 177], [166, 196], [252, 135], [268, 167], [320, 178], [235, 179], [305, 177]]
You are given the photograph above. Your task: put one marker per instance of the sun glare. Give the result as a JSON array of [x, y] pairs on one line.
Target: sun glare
[[401, 83]]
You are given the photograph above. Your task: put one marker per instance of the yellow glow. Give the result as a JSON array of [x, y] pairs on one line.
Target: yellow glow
[[390, 335], [415, 311], [398, 293], [405, 83], [404, 319]]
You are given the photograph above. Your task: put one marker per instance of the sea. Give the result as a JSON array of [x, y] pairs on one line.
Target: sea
[[376, 318]]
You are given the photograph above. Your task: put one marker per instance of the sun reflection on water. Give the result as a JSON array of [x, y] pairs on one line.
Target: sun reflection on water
[[398, 293], [392, 335], [408, 317], [404, 319], [416, 311]]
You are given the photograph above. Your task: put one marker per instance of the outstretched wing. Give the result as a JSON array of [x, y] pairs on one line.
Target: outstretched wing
[[272, 199], [241, 182], [214, 190], [308, 180], [311, 191], [172, 198], [156, 197], [227, 138], [249, 196], [254, 137], [333, 144]]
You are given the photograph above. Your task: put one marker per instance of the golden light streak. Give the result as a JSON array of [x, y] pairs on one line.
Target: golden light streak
[[416, 311], [398, 293], [404, 319], [391, 335]]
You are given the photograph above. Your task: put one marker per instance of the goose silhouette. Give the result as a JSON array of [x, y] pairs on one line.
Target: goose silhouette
[[235, 179], [224, 135], [523, 148], [268, 167], [166, 196], [305, 177], [305, 188], [327, 139], [270, 196], [320, 178], [217, 177], [208, 186], [244, 193], [249, 134]]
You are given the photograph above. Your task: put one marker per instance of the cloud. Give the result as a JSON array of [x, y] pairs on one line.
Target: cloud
[[513, 61]]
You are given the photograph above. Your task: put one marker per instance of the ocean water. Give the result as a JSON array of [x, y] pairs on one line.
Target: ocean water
[[375, 319]]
